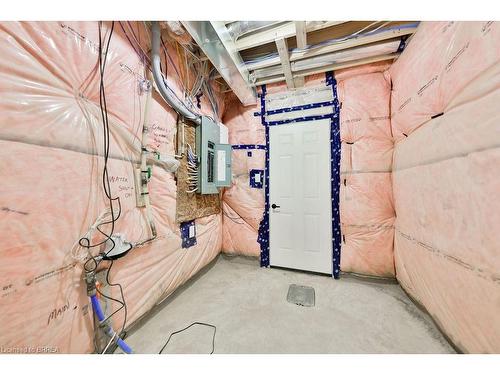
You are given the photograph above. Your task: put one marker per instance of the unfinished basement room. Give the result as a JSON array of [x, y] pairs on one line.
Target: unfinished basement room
[[176, 185]]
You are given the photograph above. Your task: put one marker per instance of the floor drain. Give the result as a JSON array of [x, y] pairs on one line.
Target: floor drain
[[301, 295]]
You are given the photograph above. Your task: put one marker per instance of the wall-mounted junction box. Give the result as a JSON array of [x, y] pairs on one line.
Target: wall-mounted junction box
[[139, 198], [214, 158]]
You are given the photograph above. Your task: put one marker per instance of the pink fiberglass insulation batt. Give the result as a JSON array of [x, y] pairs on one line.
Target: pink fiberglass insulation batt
[[367, 212], [366, 205], [243, 204], [51, 152], [442, 172], [445, 177]]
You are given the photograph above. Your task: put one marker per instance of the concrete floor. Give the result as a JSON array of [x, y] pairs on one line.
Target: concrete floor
[[248, 305]]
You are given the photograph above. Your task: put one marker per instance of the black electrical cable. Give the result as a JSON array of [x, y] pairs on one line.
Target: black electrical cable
[[105, 178], [135, 43], [144, 58], [111, 299], [189, 326], [121, 293], [104, 113], [84, 241]]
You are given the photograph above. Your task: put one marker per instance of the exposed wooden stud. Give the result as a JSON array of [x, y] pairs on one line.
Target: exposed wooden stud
[[285, 61]]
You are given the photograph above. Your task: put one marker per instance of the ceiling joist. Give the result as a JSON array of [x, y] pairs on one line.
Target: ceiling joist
[[327, 68], [301, 36], [285, 62], [284, 30], [349, 43], [261, 55]]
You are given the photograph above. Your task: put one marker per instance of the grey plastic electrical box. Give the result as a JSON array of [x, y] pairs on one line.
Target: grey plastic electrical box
[[214, 159]]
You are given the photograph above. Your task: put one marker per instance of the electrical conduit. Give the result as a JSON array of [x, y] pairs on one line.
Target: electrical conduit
[[165, 91]]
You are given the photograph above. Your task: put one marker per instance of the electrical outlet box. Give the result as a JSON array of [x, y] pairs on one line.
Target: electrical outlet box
[[139, 198], [214, 159]]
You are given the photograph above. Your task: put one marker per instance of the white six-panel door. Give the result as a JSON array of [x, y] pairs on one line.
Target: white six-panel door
[[300, 229]]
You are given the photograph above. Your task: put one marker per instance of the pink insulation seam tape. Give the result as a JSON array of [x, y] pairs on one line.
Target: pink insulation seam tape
[[445, 178], [51, 139], [366, 206]]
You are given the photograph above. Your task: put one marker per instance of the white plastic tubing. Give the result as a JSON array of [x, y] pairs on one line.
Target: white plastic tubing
[[165, 91]]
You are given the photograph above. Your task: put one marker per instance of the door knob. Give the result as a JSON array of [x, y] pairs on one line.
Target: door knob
[[274, 206]]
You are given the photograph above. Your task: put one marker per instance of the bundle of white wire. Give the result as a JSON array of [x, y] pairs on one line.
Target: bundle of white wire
[[202, 83], [192, 170]]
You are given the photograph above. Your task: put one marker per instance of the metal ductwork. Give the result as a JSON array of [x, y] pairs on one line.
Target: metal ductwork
[[165, 91]]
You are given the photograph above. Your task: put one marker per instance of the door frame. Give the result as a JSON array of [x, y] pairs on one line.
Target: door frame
[[304, 125], [263, 233]]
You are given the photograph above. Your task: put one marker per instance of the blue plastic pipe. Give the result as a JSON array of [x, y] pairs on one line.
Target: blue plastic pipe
[[100, 315]]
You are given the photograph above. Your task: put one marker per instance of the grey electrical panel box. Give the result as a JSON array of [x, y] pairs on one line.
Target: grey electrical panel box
[[214, 159], [223, 165]]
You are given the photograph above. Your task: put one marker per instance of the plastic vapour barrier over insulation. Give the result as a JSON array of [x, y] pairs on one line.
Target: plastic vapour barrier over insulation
[[418, 173], [52, 159], [366, 207], [366, 203], [243, 205], [445, 120]]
